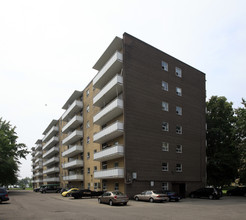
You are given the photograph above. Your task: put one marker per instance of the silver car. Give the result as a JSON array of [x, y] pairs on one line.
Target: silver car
[[152, 196], [114, 197]]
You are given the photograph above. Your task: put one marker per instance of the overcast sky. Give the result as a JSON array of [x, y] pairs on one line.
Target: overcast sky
[[48, 48]]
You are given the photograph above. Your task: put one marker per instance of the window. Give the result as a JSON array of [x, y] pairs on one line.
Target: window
[[165, 186], [87, 124], [165, 146], [179, 129], [164, 166], [164, 65], [165, 106], [95, 185], [104, 185], [87, 108], [116, 186], [88, 140], [87, 92], [104, 165], [178, 91], [95, 168], [88, 155], [88, 170], [178, 167], [179, 149], [178, 110], [95, 151], [164, 85], [165, 126], [116, 164], [178, 72]]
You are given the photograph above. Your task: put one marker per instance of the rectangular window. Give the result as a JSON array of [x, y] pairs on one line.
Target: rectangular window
[[87, 108], [164, 85], [88, 155], [165, 186], [95, 168], [178, 72], [178, 110], [179, 149], [116, 186], [95, 185], [165, 146], [165, 106], [178, 91], [87, 124], [104, 185], [88, 140], [164, 65], [178, 167], [88, 170], [104, 165], [116, 164], [179, 129], [165, 126], [87, 92], [164, 166]]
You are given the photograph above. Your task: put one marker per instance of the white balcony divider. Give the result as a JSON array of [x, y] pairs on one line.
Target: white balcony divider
[[111, 111], [51, 161], [72, 151], [73, 123], [51, 170], [51, 143], [74, 177], [54, 130], [110, 153], [109, 173], [51, 152], [113, 66], [109, 91], [74, 108], [73, 137], [73, 164], [112, 131]]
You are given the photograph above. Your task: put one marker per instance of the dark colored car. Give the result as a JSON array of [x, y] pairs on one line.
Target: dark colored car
[[50, 188], [210, 193], [239, 191], [36, 189], [86, 193], [112, 198], [173, 196], [3, 195]]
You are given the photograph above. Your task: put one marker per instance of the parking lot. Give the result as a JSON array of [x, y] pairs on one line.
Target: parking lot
[[30, 205]]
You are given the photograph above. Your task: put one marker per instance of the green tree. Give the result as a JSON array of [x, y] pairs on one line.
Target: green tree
[[10, 153], [241, 133], [222, 152]]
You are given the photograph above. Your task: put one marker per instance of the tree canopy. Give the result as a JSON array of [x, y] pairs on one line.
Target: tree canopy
[[10, 153]]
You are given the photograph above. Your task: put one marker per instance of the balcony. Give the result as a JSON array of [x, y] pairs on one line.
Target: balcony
[[39, 160], [73, 123], [74, 177], [73, 137], [110, 91], [51, 170], [53, 160], [38, 174], [74, 150], [51, 143], [73, 109], [112, 131], [52, 179], [38, 147], [109, 174], [54, 130], [38, 154], [110, 153], [111, 68], [38, 181], [73, 164], [51, 152], [111, 111]]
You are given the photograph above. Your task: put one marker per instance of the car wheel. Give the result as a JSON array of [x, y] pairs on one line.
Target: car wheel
[[99, 201], [110, 202], [210, 197], [136, 198], [151, 200]]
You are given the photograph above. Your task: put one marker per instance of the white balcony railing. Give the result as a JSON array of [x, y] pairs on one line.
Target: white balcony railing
[[108, 92], [111, 68], [109, 173], [54, 130], [51, 179], [109, 133], [51, 143], [72, 151], [74, 108], [51, 170], [38, 154], [51, 152], [73, 123], [73, 164], [111, 111], [38, 181], [110, 153], [74, 177], [73, 137], [38, 174], [53, 160]]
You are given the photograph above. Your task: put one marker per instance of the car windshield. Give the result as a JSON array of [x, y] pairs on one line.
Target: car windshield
[[117, 193]]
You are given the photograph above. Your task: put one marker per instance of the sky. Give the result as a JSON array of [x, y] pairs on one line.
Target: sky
[[48, 49]]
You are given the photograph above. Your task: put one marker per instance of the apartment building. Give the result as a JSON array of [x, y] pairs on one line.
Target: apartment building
[[140, 124]]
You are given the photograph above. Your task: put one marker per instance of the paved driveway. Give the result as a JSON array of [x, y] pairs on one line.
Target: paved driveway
[[27, 205]]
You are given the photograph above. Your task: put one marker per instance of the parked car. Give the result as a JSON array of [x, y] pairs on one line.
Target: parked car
[[152, 196], [112, 198], [238, 191], [86, 193], [50, 188], [173, 196], [36, 189], [3, 195], [206, 192], [69, 192]]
